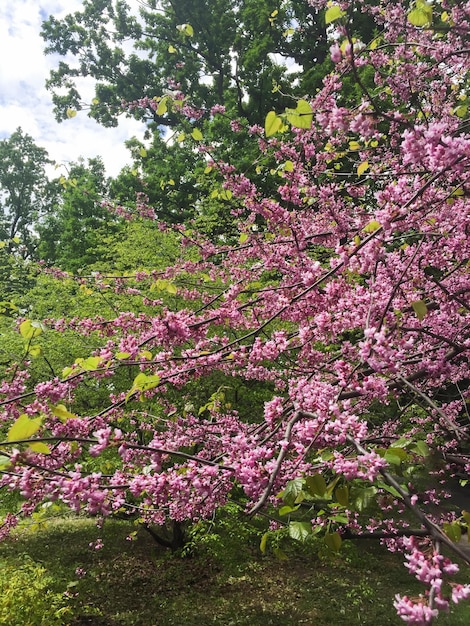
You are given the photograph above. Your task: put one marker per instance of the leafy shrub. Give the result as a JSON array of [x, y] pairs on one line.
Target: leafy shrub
[[27, 598]]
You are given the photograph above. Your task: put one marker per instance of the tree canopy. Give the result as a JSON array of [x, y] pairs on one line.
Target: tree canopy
[[25, 193], [240, 54], [71, 232]]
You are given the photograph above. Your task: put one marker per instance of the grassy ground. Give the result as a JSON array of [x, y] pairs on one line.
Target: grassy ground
[[135, 583]]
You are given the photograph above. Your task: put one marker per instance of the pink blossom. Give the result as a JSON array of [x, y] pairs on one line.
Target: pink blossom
[[414, 613]]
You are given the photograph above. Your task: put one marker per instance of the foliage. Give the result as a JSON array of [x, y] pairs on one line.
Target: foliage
[[223, 53], [127, 583], [165, 174], [26, 596], [70, 234], [137, 246], [173, 177], [25, 193], [189, 60], [343, 296], [17, 276]]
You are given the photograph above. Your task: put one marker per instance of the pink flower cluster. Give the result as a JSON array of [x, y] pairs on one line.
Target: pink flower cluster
[[414, 613]]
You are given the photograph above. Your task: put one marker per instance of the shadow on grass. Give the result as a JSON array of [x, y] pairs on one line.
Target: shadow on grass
[[136, 583]]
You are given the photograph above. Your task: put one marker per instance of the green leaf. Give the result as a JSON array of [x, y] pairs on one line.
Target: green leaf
[[331, 487], [186, 29], [316, 485], [362, 167], [164, 285], [421, 15], [333, 541], [23, 428], [285, 510], [342, 495], [162, 107], [4, 462], [30, 329], [288, 166], [171, 288], [66, 372], [421, 448], [299, 530], [301, 116], [263, 543], [243, 237], [280, 554], [39, 447], [453, 531], [363, 497], [122, 356], [272, 124], [292, 491], [393, 459], [90, 364], [466, 516], [226, 194], [62, 413], [143, 382], [35, 351], [398, 452], [420, 309], [401, 443], [334, 13], [372, 226], [159, 285], [391, 490], [461, 111], [197, 135]]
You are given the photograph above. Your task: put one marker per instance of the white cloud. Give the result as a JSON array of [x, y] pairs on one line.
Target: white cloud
[[25, 102]]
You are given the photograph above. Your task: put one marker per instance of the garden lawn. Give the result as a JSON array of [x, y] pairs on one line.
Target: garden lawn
[[136, 583]]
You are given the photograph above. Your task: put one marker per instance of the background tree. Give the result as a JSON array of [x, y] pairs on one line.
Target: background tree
[[245, 56], [175, 177], [227, 53], [25, 192], [71, 233]]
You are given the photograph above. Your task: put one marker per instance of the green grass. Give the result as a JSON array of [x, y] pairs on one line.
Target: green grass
[[135, 583]]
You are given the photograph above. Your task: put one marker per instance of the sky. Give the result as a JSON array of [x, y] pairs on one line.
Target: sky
[[25, 102]]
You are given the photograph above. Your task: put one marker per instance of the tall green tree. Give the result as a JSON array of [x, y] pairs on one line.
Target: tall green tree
[[228, 52], [70, 235], [244, 55], [176, 181], [25, 192]]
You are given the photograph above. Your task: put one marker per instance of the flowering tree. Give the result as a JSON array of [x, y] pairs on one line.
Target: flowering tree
[[345, 295]]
